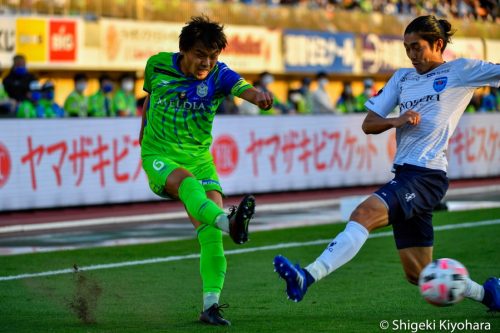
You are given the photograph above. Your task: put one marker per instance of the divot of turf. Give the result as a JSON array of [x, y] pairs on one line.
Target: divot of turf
[[85, 298]]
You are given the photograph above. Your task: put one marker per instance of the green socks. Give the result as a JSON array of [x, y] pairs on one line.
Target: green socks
[[194, 197], [212, 263]]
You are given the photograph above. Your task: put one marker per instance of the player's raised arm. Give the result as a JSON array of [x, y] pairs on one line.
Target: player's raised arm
[[375, 124], [263, 100]]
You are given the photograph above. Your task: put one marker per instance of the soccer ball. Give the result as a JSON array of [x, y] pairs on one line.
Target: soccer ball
[[443, 281]]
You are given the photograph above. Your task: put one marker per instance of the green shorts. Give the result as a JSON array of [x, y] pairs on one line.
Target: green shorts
[[158, 168]]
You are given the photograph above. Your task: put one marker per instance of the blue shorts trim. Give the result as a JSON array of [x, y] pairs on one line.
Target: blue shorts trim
[[411, 197]]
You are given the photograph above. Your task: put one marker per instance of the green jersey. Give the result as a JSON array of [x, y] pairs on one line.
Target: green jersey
[[124, 103], [76, 105], [101, 105], [26, 109], [181, 108]]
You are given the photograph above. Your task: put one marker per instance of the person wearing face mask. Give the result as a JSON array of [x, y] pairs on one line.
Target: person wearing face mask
[[364, 96], [296, 103], [52, 109], [17, 82], [347, 102], [77, 104], [101, 103], [32, 107], [124, 102], [306, 94], [321, 102]]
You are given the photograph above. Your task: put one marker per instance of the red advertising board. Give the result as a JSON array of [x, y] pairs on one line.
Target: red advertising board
[[63, 42]]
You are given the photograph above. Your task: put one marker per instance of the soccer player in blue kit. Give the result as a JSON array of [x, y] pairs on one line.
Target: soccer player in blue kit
[[432, 96]]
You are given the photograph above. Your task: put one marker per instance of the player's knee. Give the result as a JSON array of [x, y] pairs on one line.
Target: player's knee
[[361, 213], [370, 215]]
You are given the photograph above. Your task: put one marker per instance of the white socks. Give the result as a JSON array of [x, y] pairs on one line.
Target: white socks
[[342, 249], [474, 290], [222, 222], [209, 299]]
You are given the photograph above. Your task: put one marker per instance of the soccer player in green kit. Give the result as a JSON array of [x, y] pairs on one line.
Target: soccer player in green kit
[[184, 90]]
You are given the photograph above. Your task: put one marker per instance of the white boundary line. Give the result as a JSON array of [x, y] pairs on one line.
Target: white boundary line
[[465, 225], [308, 204], [153, 217]]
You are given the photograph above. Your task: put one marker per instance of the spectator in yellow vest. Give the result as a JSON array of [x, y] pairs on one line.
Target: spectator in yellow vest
[[365, 95], [77, 104], [101, 102], [124, 103], [346, 103]]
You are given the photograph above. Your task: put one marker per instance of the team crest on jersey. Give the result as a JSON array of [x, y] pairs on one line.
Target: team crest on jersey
[[440, 83], [202, 89]]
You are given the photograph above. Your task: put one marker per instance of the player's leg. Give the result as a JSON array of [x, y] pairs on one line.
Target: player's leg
[[168, 179], [414, 238], [212, 266], [369, 215], [181, 184], [192, 192], [413, 260]]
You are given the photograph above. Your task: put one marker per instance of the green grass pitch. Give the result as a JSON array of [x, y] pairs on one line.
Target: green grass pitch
[[166, 296]]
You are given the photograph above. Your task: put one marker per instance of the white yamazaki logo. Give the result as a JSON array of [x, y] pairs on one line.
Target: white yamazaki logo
[[158, 165]]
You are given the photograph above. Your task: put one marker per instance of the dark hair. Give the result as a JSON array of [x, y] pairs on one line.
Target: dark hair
[[431, 29], [104, 77], [201, 29], [48, 85], [79, 77], [127, 76], [262, 74], [18, 57], [321, 75]]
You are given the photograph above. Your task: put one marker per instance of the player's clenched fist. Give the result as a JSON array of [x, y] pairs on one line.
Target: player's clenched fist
[[410, 117], [264, 100]]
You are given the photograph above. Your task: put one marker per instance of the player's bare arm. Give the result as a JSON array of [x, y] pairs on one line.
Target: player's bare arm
[[263, 100], [143, 120], [375, 124]]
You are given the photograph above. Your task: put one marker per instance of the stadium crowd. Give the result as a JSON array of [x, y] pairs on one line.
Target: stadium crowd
[[464, 9], [487, 10], [22, 95]]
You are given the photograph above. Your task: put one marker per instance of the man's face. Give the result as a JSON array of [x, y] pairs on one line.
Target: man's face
[[19, 62], [199, 61], [423, 56]]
